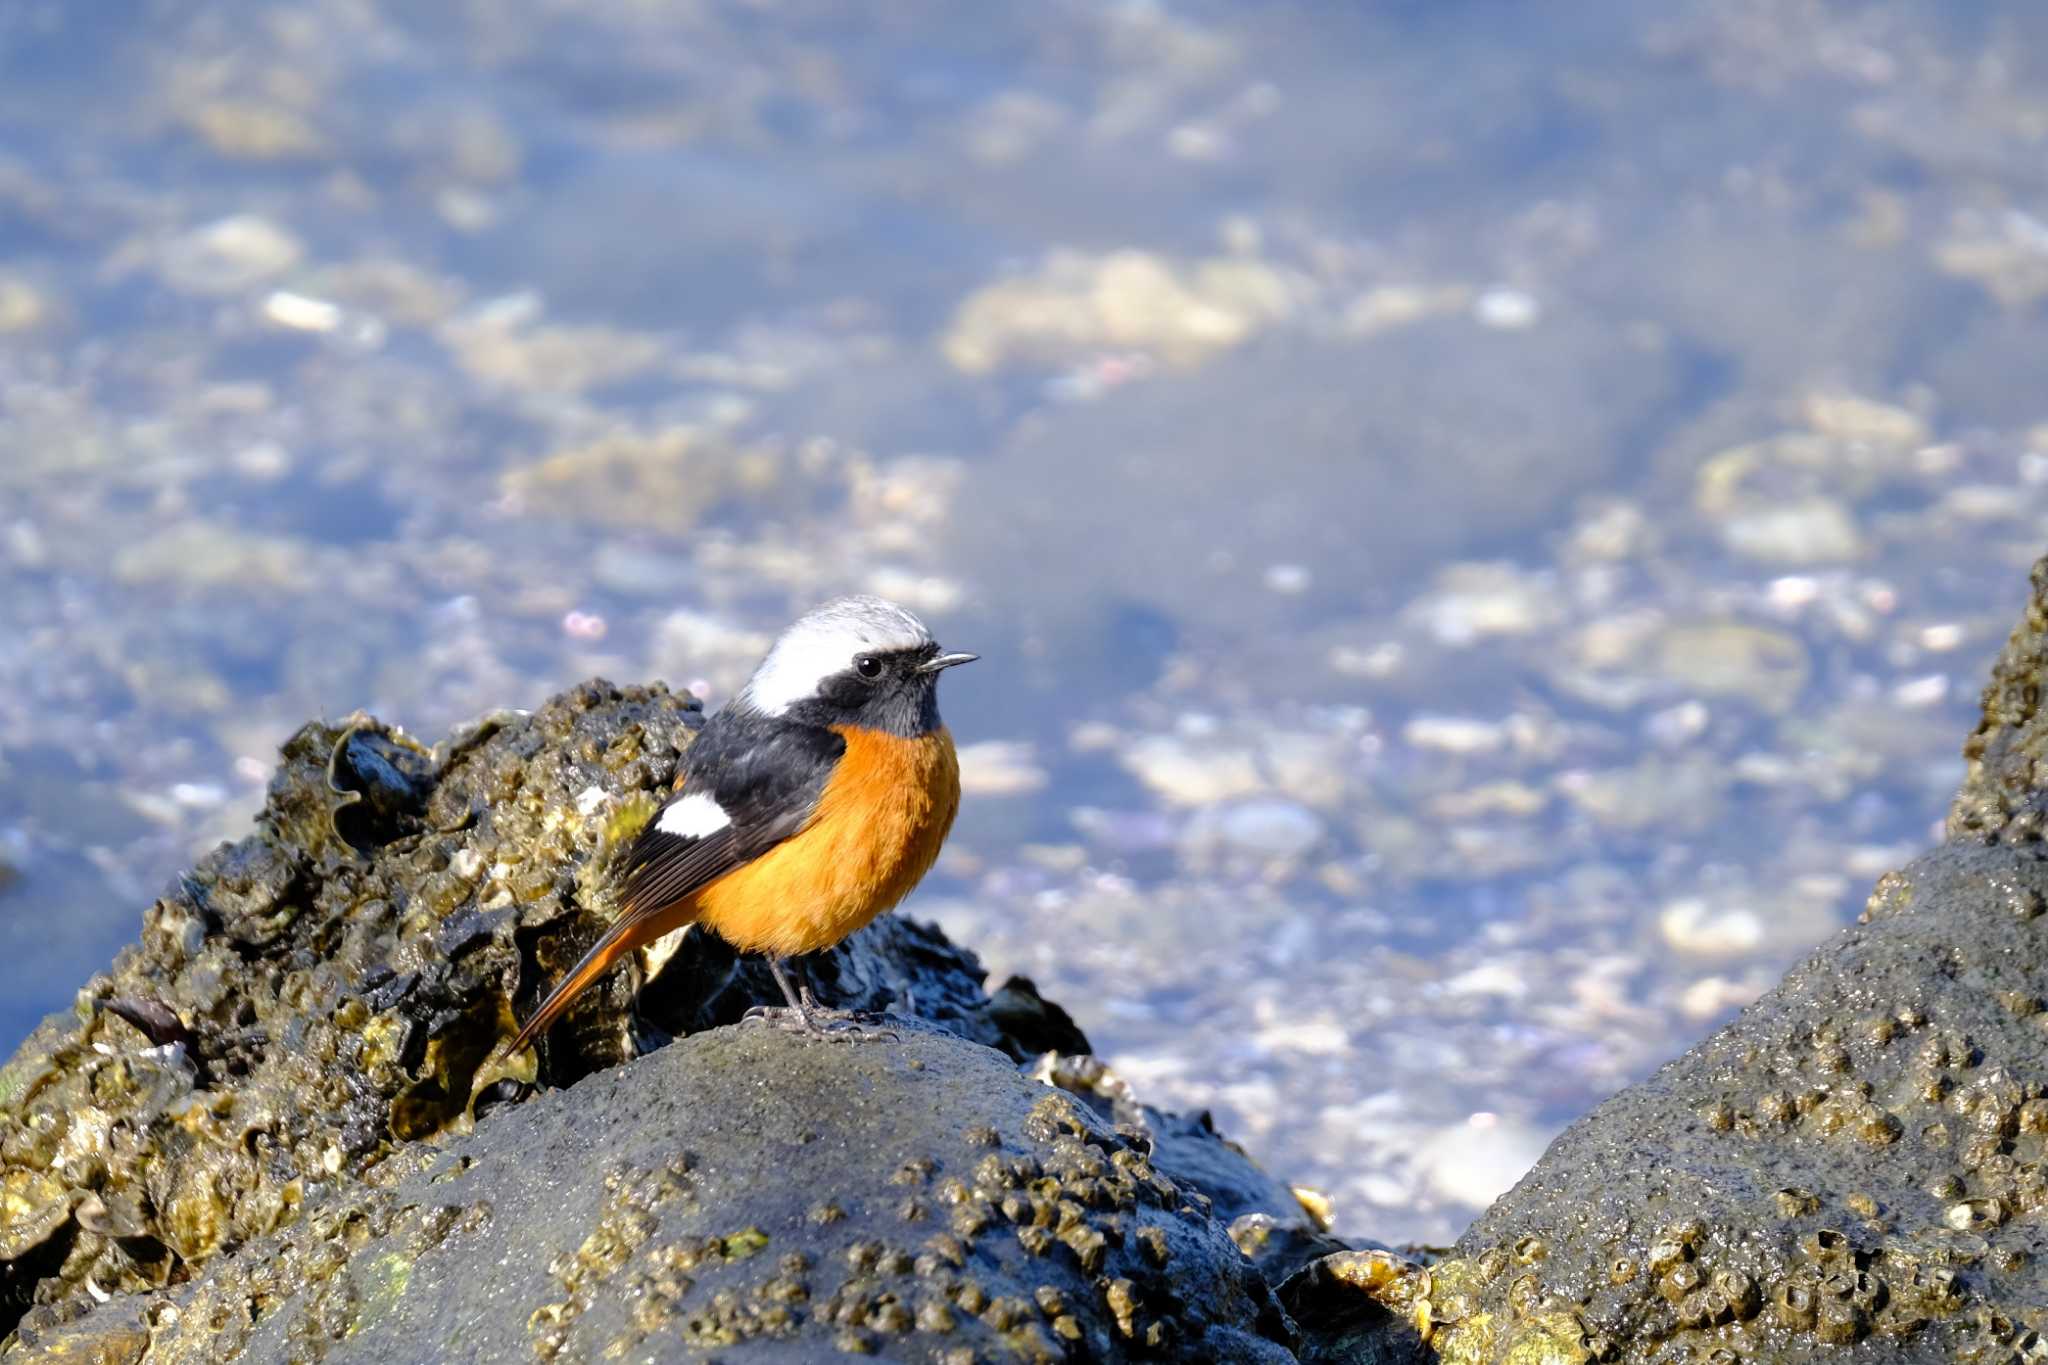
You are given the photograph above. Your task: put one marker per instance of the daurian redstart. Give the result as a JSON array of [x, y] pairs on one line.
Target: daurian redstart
[[812, 802]]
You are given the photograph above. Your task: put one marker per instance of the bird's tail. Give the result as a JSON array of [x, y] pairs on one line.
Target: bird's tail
[[631, 930]]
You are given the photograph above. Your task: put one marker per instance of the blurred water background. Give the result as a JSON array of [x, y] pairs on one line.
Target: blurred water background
[[1485, 522]]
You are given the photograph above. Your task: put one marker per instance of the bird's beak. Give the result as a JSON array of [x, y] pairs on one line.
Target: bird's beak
[[946, 661]]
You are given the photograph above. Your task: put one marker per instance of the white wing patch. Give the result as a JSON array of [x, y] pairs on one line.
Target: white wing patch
[[823, 642], [693, 817]]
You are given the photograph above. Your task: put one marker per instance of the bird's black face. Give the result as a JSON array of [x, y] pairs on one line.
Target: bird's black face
[[895, 691]]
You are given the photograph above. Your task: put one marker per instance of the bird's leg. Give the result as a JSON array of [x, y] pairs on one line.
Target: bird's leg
[[795, 1015], [803, 989], [845, 1024], [796, 1002]]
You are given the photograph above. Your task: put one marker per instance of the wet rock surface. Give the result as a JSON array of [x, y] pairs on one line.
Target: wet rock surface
[[311, 993], [1279, 1228], [1859, 1158], [747, 1193]]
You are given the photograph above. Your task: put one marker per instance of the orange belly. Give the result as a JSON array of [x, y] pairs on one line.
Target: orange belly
[[878, 829]]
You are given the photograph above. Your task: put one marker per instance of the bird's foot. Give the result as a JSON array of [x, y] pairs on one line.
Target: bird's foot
[[814, 1021], [851, 1026]]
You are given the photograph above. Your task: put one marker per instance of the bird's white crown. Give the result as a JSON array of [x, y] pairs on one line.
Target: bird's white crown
[[824, 641]]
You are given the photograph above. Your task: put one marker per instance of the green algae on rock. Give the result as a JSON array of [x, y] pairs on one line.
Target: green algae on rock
[[677, 1205], [335, 984]]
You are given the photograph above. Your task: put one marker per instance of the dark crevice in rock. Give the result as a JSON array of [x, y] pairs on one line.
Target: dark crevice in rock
[[29, 1268]]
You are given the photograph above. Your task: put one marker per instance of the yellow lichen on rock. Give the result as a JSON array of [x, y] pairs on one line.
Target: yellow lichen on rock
[[32, 1205], [1547, 1339]]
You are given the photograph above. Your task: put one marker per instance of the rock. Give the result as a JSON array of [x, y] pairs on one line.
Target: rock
[[1808, 1159], [2003, 799], [114, 1336], [1470, 602], [21, 306], [1353, 1308], [1275, 1226], [1184, 772], [1077, 305], [637, 479], [315, 992], [1472, 1162], [1268, 829], [913, 1197], [1730, 659], [1697, 929], [313, 1000], [199, 556], [217, 1155], [1808, 531], [1000, 767], [1858, 1160]]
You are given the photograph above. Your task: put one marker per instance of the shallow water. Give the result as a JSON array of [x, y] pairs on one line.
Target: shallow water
[[1484, 528]]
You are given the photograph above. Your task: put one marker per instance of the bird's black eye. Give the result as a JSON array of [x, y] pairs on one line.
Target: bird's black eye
[[868, 666]]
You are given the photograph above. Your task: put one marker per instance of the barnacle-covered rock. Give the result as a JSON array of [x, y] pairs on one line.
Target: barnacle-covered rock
[[1848, 1162], [338, 983], [1279, 1228], [1852, 1161], [1860, 1160], [753, 1194], [2005, 797]]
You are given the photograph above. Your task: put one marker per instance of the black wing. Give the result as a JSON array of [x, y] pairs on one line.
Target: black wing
[[765, 774]]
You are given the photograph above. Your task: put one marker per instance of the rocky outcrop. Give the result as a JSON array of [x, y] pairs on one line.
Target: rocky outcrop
[[783, 1198], [312, 1004], [2005, 795], [280, 1127], [1860, 1160], [1862, 1157]]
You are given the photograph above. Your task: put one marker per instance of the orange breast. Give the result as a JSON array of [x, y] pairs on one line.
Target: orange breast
[[878, 829]]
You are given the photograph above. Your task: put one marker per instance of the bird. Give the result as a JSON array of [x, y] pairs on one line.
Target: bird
[[813, 801]]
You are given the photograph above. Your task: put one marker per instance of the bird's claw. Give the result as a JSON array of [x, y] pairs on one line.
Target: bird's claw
[[847, 1026]]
